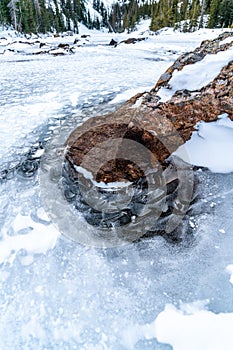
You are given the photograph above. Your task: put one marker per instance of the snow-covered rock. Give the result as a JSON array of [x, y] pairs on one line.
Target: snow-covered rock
[[151, 122]]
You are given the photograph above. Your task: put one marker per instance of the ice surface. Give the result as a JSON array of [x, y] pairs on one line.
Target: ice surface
[[32, 90], [55, 294]]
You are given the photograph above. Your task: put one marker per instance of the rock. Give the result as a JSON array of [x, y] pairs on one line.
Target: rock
[[69, 33], [64, 46], [61, 50], [132, 40], [113, 43], [57, 52], [118, 170], [126, 144], [206, 47], [84, 36], [76, 41]]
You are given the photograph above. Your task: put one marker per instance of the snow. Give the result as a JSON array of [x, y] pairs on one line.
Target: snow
[[204, 72], [57, 294], [230, 270], [88, 175], [124, 96], [39, 98], [107, 3], [189, 329], [226, 41], [29, 242], [203, 150], [93, 13]]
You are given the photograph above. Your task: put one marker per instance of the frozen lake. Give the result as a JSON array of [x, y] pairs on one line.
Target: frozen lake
[[56, 294]]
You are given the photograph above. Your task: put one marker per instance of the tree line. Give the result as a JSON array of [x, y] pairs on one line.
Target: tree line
[[192, 15], [41, 16]]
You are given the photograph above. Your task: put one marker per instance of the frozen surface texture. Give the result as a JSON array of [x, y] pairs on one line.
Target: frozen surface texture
[[55, 294]]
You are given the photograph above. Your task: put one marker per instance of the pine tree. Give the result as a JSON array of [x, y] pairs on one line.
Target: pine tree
[[115, 18], [165, 14], [194, 14], [89, 21], [175, 11], [5, 17], [184, 10], [44, 16], [214, 14], [104, 15], [226, 13]]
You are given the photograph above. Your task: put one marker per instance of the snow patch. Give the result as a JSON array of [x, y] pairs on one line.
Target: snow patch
[[126, 95], [210, 146], [230, 270], [226, 41], [138, 102], [190, 327], [88, 175], [40, 239]]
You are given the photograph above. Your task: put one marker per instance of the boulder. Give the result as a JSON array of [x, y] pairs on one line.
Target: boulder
[[119, 171], [206, 47], [132, 40], [113, 43], [76, 41], [64, 46], [143, 132]]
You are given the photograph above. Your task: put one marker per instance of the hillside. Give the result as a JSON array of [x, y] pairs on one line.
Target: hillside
[[33, 16]]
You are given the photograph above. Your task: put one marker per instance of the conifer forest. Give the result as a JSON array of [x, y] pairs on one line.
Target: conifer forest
[[42, 16]]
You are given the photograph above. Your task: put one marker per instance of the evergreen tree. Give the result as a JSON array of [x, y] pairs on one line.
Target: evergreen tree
[[104, 15], [60, 15], [58, 22], [164, 14], [194, 14], [5, 17], [184, 10], [214, 14], [226, 13]]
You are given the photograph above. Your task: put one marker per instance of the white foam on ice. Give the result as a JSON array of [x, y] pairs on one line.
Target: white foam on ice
[[40, 239], [190, 327], [229, 269]]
